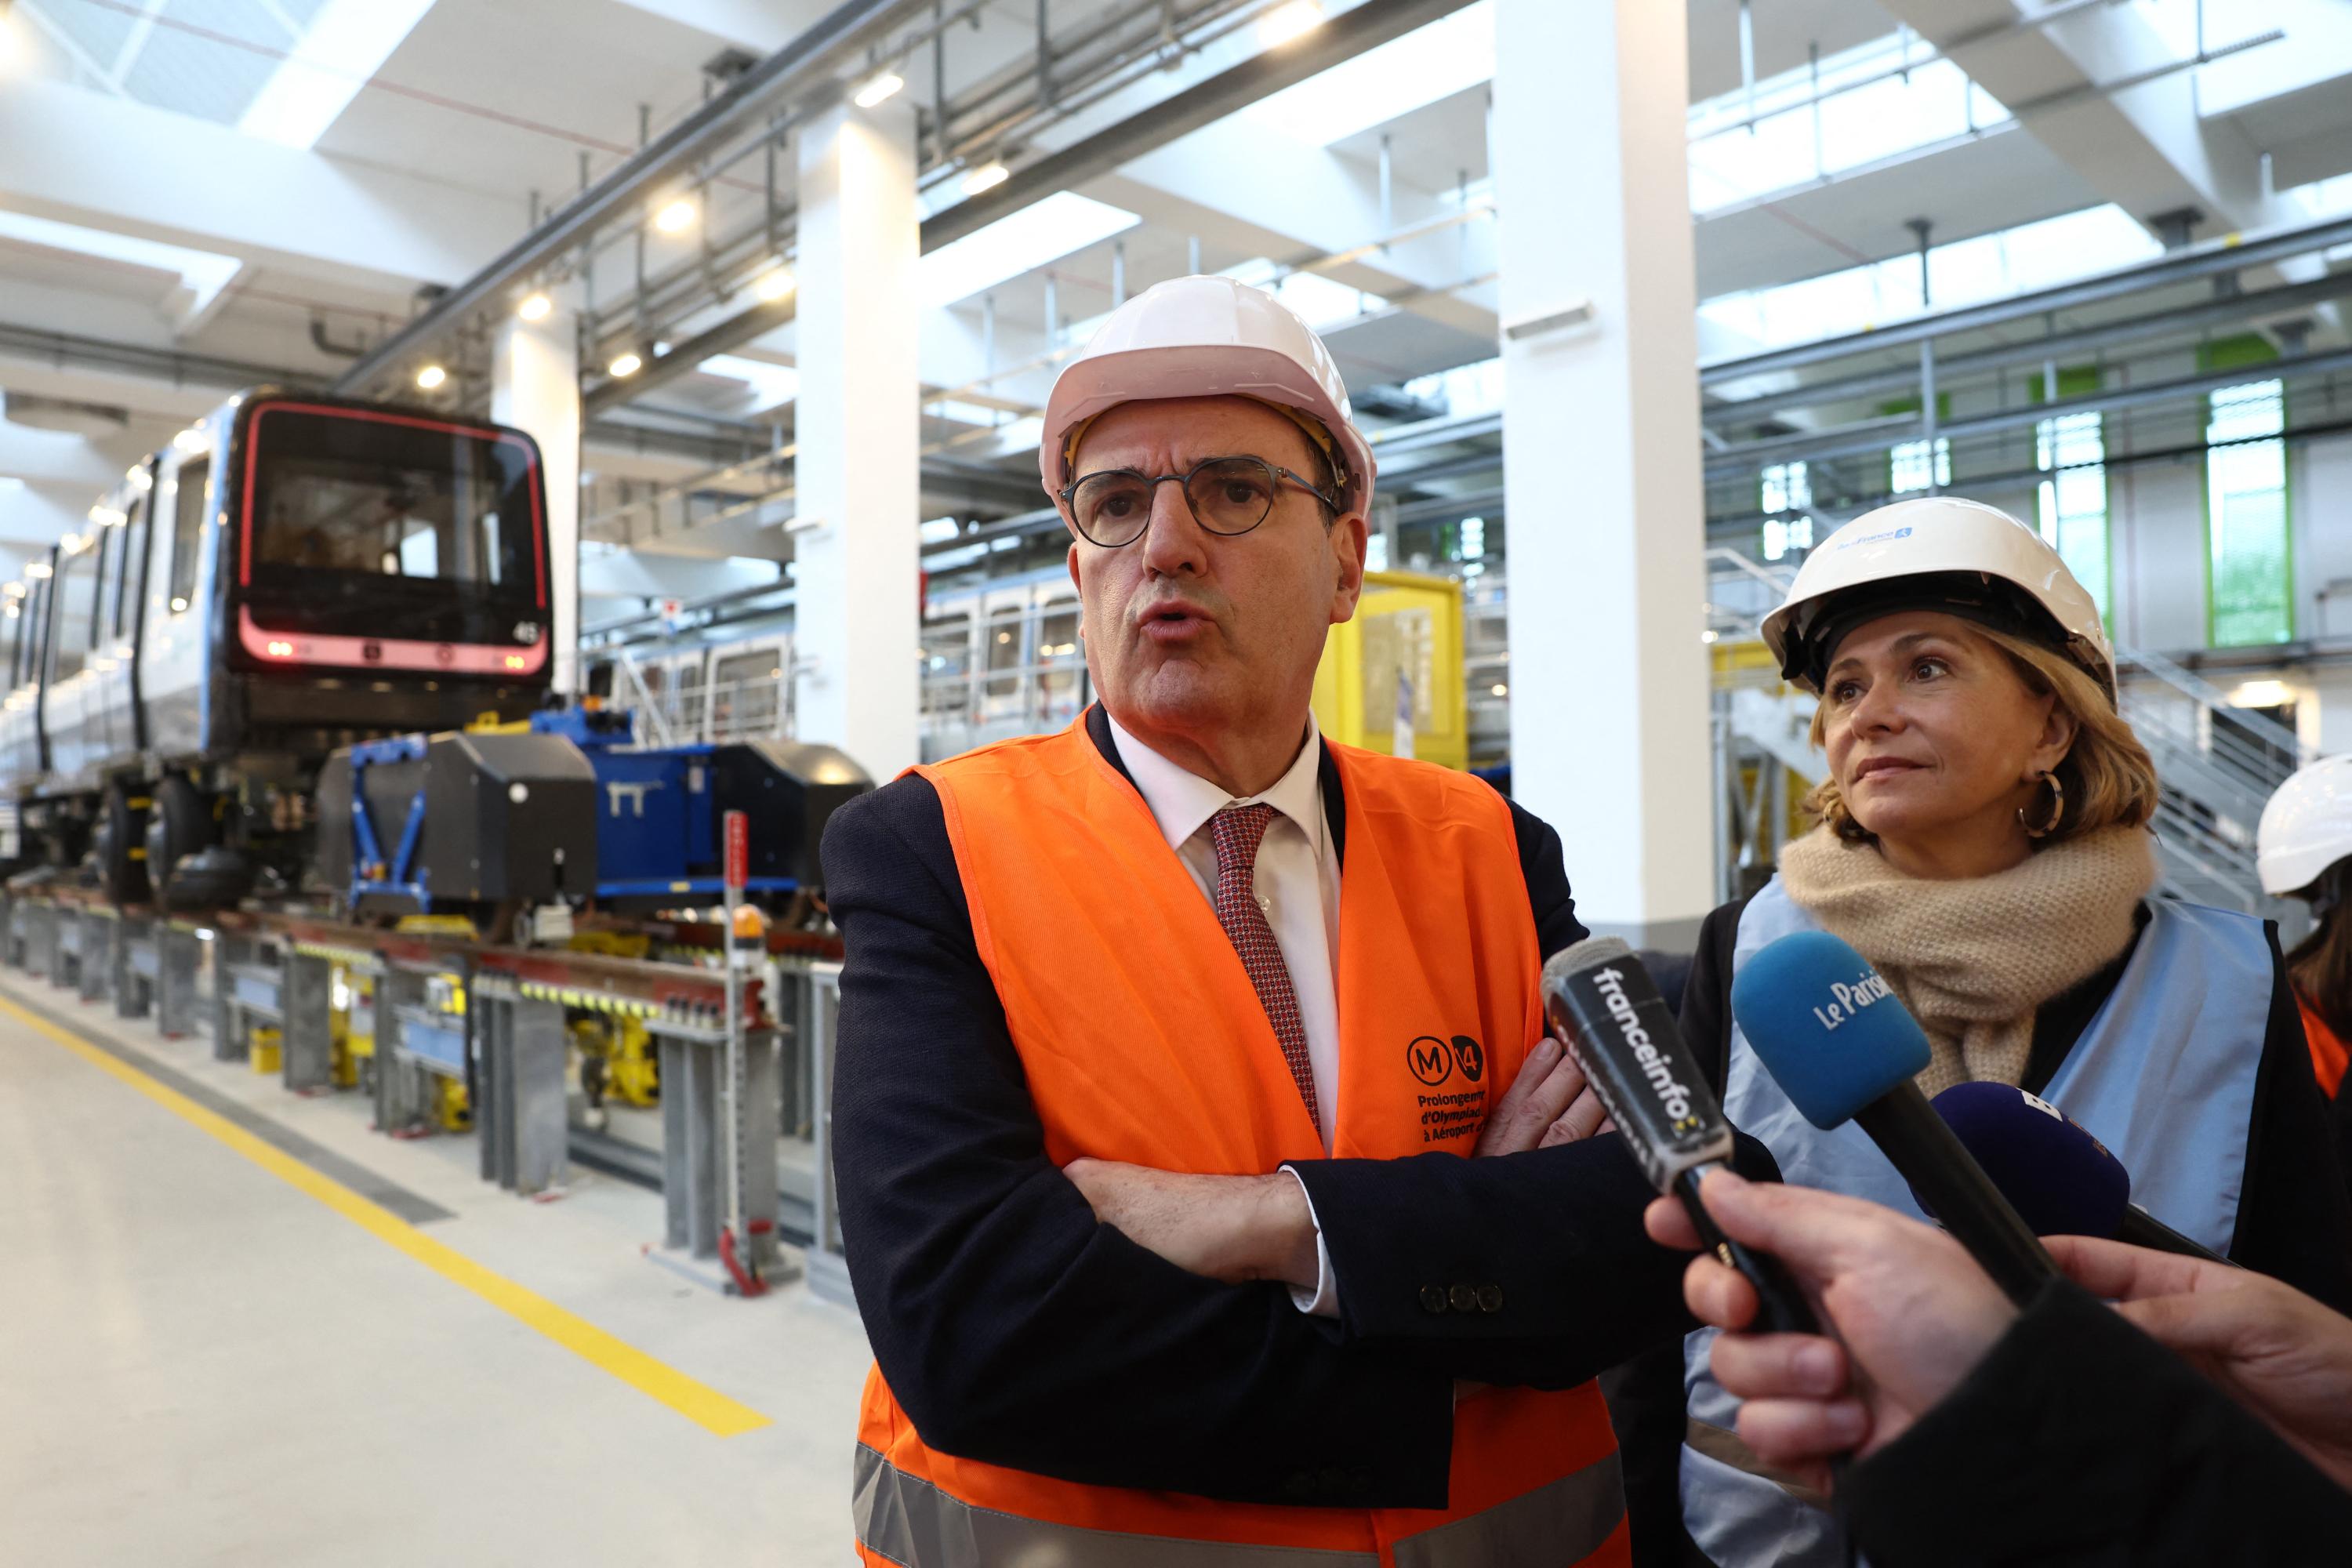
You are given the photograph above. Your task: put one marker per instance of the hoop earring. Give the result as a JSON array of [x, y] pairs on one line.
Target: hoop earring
[[2057, 810]]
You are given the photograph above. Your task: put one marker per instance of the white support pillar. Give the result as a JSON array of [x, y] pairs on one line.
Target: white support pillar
[[535, 387], [1602, 491], [856, 621]]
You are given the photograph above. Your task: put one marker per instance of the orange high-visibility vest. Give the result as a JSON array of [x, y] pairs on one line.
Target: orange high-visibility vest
[[2330, 1055], [1144, 1042]]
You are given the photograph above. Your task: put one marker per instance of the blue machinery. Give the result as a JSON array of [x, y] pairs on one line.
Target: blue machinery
[[570, 809]]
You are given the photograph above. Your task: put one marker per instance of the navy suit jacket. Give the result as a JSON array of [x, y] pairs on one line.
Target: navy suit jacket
[[1017, 1329]]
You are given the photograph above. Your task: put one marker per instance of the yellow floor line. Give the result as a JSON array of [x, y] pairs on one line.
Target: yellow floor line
[[697, 1402]]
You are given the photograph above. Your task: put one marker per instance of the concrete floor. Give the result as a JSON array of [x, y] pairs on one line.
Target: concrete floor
[[202, 1363]]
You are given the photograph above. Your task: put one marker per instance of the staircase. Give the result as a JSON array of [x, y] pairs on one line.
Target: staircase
[[2216, 766]]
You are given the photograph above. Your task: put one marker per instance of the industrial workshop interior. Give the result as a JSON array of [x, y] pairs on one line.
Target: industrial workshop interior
[[614, 610]]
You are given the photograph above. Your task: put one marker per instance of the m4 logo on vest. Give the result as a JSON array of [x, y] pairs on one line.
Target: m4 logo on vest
[[1434, 1061]]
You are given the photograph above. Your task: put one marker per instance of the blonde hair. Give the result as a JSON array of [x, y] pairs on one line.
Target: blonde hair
[[2108, 775]]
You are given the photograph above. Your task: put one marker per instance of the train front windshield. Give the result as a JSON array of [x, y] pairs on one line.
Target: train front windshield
[[386, 526]]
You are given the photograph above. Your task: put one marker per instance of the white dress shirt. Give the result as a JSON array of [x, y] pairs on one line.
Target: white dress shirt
[[1297, 886]]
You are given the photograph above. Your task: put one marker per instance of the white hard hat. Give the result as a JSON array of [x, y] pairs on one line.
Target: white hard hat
[[2306, 827], [1936, 553], [1207, 337]]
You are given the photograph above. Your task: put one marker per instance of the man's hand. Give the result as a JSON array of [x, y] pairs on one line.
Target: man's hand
[[1914, 1312], [1547, 1103], [1227, 1227], [2269, 1346]]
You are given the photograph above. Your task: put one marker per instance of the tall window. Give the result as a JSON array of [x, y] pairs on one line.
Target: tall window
[[2072, 449], [2252, 593], [1784, 488], [1910, 468]]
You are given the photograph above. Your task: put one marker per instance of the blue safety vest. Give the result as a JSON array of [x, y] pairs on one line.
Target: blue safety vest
[[2164, 1075]]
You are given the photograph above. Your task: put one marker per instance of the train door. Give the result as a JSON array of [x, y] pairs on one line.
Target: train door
[[121, 563], [1059, 659], [748, 686], [171, 620], [1004, 705], [949, 626], [20, 734], [72, 712]]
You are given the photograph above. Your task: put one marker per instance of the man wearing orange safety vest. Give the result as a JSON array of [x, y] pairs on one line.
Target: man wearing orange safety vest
[[1163, 1039]]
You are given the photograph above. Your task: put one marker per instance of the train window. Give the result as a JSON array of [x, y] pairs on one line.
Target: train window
[[131, 557], [76, 589], [358, 496], [109, 582], [744, 692], [947, 663], [188, 528], [1060, 664], [1004, 653]]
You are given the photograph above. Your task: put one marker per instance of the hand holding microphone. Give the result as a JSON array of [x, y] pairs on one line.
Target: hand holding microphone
[[1605, 1008]]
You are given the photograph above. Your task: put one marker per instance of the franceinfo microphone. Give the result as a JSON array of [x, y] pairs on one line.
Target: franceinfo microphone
[[1832, 1035], [1606, 1010], [2062, 1180]]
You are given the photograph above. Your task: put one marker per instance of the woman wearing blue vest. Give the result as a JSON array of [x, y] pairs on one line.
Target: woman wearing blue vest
[[1984, 843]]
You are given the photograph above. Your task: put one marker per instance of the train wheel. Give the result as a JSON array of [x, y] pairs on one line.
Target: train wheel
[[121, 846], [178, 825]]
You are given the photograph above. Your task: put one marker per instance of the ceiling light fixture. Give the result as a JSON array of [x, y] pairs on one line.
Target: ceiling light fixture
[[776, 283], [627, 366], [676, 217], [189, 440], [987, 177], [36, 570], [141, 480], [878, 90], [431, 376], [535, 307], [1294, 20]]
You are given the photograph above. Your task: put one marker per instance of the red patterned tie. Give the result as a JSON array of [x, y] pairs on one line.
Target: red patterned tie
[[1237, 831]]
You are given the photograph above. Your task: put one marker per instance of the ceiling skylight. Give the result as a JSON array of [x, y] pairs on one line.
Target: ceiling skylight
[[203, 272], [771, 385], [346, 43], [1429, 63], [1318, 300], [1028, 239]]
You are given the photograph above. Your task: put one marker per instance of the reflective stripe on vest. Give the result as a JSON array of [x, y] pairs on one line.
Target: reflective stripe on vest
[[2163, 1075], [2328, 1054], [911, 1521], [1142, 1040]]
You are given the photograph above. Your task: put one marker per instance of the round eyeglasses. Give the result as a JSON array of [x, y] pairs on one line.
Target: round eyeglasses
[[1227, 494]]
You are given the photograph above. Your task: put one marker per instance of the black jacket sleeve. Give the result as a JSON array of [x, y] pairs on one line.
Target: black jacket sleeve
[[1012, 1327], [2293, 1222], [2079, 1440]]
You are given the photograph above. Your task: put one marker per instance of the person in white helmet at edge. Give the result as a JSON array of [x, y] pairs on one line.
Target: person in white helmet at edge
[[1141, 1020], [1984, 843], [2304, 850]]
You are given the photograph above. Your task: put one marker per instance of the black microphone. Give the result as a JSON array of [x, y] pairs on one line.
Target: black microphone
[[2063, 1181], [1838, 1042], [1606, 1010]]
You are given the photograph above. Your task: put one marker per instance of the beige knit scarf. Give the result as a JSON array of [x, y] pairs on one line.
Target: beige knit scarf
[[1974, 958]]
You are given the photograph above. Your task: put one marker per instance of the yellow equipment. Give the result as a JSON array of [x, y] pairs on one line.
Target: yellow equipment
[[265, 1052], [1402, 654], [617, 1061]]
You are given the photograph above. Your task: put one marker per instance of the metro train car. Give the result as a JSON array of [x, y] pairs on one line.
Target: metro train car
[[293, 573]]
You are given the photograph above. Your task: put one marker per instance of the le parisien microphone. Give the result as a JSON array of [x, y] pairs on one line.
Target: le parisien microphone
[[1838, 1042]]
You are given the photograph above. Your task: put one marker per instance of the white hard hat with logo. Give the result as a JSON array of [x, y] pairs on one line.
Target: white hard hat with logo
[[2306, 827], [1936, 553], [1208, 337]]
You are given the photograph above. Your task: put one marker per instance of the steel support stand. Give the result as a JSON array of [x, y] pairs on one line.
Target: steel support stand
[[178, 951], [96, 963], [307, 1035], [523, 1117], [399, 1083], [828, 1267]]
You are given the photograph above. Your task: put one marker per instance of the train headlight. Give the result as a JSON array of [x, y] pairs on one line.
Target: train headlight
[[516, 661], [278, 648], [527, 633]]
